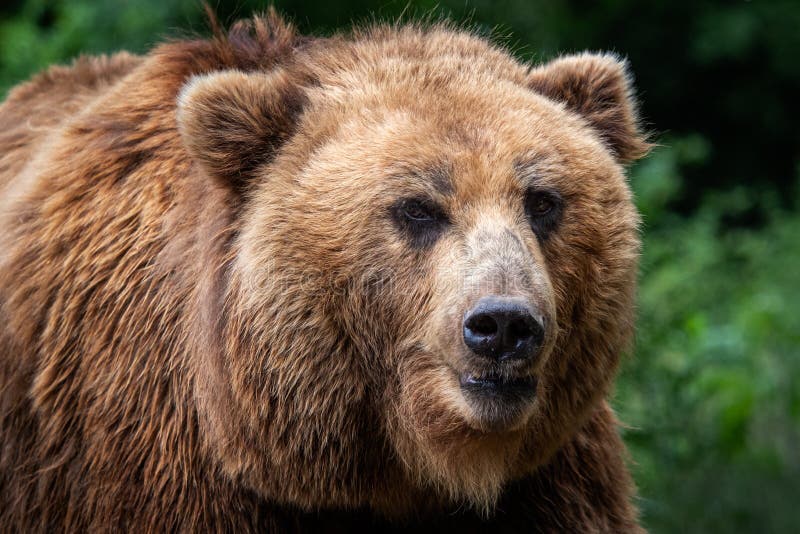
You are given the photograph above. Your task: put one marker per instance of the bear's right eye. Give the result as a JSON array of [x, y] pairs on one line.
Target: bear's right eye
[[415, 210], [421, 220]]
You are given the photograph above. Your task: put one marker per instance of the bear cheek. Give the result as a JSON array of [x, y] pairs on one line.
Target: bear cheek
[[593, 263]]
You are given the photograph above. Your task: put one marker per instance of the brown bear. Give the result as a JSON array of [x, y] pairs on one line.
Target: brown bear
[[268, 282]]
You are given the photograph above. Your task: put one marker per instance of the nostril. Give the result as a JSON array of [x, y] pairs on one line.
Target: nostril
[[482, 325], [503, 329], [519, 330]]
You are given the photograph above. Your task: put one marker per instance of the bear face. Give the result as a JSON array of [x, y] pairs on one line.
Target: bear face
[[432, 276]]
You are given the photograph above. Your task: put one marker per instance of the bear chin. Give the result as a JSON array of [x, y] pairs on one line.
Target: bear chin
[[497, 403], [460, 436]]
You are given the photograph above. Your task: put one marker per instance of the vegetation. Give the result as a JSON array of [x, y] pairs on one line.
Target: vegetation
[[710, 393]]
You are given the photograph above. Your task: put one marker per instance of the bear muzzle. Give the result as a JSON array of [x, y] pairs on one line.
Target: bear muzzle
[[504, 337], [502, 328]]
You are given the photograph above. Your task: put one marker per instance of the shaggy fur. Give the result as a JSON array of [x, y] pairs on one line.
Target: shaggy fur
[[210, 321]]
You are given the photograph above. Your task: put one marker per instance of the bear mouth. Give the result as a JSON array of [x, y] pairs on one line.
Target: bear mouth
[[499, 386], [498, 402]]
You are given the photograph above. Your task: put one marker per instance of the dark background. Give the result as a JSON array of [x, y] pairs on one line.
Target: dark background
[[710, 394]]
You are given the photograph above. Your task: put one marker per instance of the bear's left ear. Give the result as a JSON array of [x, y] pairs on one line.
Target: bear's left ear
[[233, 122], [598, 87]]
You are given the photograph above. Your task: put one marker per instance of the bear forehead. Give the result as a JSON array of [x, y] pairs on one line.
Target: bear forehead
[[496, 134], [432, 100], [407, 67], [415, 50]]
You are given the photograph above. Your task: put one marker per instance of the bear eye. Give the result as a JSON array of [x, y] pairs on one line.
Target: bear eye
[[421, 220], [540, 205], [543, 208], [416, 210]]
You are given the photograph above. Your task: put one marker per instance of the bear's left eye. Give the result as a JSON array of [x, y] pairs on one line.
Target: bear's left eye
[[421, 220], [543, 208]]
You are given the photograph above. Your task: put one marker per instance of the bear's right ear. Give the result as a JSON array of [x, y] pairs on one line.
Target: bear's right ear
[[232, 122]]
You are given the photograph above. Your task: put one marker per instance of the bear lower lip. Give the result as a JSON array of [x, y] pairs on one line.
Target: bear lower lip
[[523, 388], [498, 403]]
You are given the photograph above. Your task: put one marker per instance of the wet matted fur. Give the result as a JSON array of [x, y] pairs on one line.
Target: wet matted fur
[[212, 320]]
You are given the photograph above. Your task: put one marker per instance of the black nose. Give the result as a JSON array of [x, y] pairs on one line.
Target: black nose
[[502, 328]]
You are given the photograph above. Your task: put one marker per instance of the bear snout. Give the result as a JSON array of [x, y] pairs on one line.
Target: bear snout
[[500, 328]]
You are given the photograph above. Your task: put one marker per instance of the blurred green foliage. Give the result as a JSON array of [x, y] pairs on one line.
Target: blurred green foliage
[[710, 395]]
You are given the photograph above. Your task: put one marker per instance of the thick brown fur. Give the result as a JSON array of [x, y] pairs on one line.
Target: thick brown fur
[[209, 321]]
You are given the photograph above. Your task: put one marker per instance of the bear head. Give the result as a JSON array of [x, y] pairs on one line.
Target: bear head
[[431, 271]]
